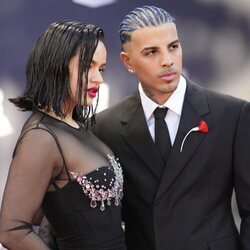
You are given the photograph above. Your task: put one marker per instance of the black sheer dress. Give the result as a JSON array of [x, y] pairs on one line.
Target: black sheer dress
[[82, 199]]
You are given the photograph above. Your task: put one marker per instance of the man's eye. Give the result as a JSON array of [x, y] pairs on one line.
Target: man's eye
[[175, 46], [150, 52]]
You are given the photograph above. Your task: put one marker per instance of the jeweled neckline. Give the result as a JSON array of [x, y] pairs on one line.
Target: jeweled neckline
[[104, 193]]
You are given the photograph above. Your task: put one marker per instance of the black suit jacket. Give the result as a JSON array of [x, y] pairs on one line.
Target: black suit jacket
[[188, 207]]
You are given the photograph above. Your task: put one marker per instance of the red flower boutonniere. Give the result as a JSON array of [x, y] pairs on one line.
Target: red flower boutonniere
[[202, 128]]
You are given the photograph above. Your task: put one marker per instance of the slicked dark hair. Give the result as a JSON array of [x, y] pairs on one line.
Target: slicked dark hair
[[47, 69]]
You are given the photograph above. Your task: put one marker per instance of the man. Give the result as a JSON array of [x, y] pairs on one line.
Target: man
[[180, 199]]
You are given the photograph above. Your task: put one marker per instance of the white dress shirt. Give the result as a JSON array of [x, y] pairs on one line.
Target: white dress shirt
[[174, 105]]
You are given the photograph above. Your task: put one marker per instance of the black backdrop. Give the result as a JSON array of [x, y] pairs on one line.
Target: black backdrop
[[215, 37]]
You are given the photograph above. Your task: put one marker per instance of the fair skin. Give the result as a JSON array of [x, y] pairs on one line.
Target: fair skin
[[154, 55], [40, 174], [95, 78]]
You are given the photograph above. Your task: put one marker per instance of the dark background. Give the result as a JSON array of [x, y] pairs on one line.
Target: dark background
[[215, 37]]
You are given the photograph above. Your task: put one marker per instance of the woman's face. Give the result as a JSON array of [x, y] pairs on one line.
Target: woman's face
[[95, 78]]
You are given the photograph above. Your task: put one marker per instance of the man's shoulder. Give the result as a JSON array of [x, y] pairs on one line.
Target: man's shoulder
[[221, 99], [213, 95], [110, 118], [116, 109]]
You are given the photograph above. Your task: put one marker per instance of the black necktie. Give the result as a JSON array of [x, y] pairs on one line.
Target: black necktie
[[162, 139]]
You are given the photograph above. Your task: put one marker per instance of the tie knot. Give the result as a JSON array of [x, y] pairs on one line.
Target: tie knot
[[160, 113]]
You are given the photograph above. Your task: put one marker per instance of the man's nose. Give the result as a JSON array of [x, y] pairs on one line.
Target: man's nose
[[166, 60]]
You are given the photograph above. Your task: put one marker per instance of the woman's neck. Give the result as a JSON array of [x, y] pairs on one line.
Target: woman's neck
[[67, 119]]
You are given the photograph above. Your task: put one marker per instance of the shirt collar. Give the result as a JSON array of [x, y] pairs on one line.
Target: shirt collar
[[174, 103]]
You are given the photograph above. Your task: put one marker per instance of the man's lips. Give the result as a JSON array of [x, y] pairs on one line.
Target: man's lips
[[168, 76], [93, 91]]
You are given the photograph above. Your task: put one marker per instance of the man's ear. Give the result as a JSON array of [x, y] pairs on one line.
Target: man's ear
[[125, 59]]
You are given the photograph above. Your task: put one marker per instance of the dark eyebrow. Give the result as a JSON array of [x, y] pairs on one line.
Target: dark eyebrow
[[155, 48], [175, 41], [148, 49], [96, 63]]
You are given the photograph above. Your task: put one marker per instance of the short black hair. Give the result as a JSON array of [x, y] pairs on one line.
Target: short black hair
[[47, 69]]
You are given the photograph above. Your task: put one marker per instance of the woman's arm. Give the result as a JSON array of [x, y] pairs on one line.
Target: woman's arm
[[29, 175]]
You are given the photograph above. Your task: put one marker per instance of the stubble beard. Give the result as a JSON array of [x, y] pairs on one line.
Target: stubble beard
[[164, 94]]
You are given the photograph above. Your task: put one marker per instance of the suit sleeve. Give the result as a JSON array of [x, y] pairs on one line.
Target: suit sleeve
[[242, 174]]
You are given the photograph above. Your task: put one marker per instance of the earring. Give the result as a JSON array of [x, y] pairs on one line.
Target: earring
[[130, 70]]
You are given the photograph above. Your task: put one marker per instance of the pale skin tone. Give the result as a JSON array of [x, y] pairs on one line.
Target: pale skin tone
[[41, 177], [95, 78], [154, 55]]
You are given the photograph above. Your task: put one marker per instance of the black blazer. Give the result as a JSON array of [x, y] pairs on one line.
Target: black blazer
[[188, 207]]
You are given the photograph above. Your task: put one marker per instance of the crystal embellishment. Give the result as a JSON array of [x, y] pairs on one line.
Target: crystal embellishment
[[103, 193]]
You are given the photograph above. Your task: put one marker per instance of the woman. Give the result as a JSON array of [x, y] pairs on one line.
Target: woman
[[58, 164]]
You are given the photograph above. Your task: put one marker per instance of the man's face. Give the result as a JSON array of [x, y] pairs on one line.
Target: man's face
[[155, 56]]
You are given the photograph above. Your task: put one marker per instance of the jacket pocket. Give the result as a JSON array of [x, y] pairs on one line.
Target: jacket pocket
[[227, 243]]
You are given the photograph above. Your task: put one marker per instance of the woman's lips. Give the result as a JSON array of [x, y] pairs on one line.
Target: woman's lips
[[93, 91]]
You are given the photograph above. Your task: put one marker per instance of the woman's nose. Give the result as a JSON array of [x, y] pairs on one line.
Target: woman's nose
[[97, 77]]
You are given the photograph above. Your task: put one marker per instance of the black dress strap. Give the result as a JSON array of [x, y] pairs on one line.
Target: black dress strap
[[60, 150]]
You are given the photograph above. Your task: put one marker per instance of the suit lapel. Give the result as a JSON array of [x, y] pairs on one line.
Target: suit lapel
[[194, 109], [136, 134]]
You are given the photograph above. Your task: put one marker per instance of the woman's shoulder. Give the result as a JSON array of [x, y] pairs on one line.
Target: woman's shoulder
[[36, 130]]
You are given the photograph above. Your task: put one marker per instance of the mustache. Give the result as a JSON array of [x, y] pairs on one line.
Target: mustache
[[167, 72]]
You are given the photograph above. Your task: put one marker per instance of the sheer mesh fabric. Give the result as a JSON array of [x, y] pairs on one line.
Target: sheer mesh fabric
[[46, 152]]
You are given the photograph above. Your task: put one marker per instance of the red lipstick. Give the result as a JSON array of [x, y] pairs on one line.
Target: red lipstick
[[93, 91]]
